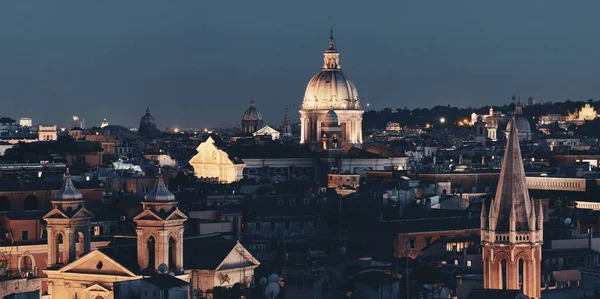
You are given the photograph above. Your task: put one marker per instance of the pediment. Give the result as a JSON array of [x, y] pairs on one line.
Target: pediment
[[147, 215], [238, 257], [83, 213], [177, 215], [56, 214], [97, 288], [96, 263]]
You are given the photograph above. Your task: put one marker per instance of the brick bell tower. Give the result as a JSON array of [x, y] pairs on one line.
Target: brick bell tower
[[511, 233], [159, 230]]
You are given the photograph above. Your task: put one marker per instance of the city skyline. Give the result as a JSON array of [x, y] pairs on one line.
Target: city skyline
[[198, 64]]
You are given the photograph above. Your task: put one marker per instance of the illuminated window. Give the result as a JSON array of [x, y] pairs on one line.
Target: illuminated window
[[468, 263], [456, 262], [96, 230]]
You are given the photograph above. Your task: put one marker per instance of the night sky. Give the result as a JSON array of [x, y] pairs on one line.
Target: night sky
[[196, 63]]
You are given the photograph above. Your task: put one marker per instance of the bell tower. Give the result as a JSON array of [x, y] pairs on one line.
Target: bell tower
[[68, 225], [159, 229], [512, 228]]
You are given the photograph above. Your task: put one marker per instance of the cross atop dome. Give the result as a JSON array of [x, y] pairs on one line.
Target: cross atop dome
[[331, 48]]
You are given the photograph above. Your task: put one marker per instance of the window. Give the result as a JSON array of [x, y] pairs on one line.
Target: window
[[306, 201], [272, 226], [427, 241], [97, 230], [31, 203], [26, 264], [287, 225], [4, 204], [252, 171], [469, 264], [301, 225], [172, 254], [456, 262], [292, 202], [24, 235], [278, 170], [151, 243], [258, 226], [411, 244], [280, 203]]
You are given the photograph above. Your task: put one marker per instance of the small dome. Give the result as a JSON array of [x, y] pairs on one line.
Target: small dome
[[479, 118], [331, 119], [252, 114], [159, 192], [68, 192], [147, 125], [523, 125]]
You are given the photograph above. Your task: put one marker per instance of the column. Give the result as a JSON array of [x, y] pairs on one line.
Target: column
[[142, 251], [69, 241], [302, 128], [318, 128], [180, 250], [51, 246], [162, 251]]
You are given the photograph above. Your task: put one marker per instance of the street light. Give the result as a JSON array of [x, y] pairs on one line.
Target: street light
[[442, 120]]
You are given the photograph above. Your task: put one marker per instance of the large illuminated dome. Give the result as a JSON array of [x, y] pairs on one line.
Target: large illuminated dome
[[330, 91], [330, 88]]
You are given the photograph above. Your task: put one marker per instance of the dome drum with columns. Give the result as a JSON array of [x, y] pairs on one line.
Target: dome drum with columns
[[330, 89]]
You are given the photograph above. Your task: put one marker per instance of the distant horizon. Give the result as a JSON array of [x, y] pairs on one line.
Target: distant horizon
[[233, 126]]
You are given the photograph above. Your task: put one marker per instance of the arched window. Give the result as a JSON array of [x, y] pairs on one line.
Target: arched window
[[26, 264], [521, 271], [503, 277], [4, 204], [80, 244], [335, 142], [172, 253], [31, 203], [151, 244], [58, 248]]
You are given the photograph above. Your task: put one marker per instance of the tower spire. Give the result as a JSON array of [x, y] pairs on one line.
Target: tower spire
[[512, 195]]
